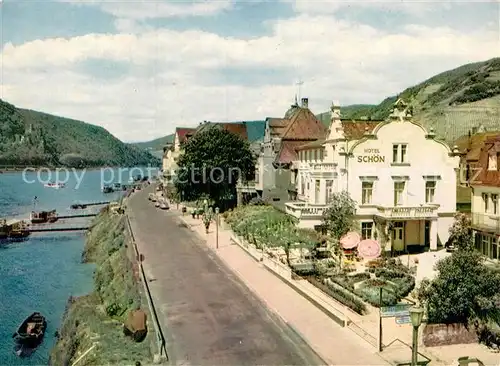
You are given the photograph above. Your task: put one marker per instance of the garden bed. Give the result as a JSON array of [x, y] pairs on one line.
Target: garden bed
[[264, 226], [395, 280]]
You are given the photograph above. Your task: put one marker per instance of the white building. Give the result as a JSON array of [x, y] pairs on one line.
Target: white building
[[172, 152], [485, 183], [402, 178]]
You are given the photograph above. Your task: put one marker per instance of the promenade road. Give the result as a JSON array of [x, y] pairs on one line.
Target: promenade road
[[209, 316]]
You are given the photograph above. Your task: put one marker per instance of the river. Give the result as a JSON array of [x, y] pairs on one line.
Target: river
[[40, 273]]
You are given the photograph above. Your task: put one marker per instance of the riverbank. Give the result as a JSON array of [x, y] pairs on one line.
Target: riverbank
[[96, 320]]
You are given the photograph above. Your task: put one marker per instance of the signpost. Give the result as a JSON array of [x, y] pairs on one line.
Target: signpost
[[401, 313], [403, 319], [400, 310]]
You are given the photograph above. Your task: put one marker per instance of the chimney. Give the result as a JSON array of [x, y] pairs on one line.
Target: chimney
[[305, 102]]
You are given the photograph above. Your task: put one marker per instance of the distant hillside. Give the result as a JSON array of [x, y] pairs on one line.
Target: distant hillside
[[452, 102], [156, 144], [34, 138]]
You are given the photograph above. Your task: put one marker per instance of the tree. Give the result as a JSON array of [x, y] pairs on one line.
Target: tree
[[212, 163], [339, 217], [461, 236], [464, 290]]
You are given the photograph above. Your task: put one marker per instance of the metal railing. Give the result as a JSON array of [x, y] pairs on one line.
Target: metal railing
[[486, 222], [161, 341]]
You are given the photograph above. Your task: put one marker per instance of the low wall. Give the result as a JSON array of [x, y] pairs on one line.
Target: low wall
[[284, 273], [447, 334]]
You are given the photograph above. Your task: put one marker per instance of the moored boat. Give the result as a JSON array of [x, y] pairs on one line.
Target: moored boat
[[107, 189], [43, 217], [54, 185], [30, 333], [13, 229]]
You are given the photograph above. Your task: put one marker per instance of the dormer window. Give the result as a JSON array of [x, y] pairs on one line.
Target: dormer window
[[493, 162]]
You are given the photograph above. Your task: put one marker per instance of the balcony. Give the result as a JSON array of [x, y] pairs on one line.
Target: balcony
[[302, 209], [408, 212], [486, 222], [323, 167]]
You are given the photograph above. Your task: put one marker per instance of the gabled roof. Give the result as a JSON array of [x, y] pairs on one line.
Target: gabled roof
[[248, 130], [489, 177], [355, 130], [298, 124], [288, 152], [471, 145], [184, 132]]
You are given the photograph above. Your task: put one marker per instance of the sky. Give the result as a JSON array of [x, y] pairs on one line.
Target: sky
[[142, 68]]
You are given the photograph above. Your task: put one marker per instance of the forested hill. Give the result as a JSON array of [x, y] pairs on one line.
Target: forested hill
[[34, 138], [452, 102]]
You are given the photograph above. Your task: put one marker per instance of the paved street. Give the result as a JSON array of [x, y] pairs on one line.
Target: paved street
[[209, 316]]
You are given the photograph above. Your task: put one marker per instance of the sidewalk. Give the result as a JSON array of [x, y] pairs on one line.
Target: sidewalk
[[336, 345], [319, 330]]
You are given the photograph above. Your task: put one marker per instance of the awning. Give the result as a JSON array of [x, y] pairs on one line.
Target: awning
[[350, 240], [369, 249]]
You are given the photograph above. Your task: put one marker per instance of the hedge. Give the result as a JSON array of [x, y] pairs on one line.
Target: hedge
[[343, 296]]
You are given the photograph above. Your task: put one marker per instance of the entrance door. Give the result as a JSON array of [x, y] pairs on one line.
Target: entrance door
[[398, 243], [427, 234]]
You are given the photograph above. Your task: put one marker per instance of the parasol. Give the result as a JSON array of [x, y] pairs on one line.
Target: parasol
[[369, 249], [350, 240]]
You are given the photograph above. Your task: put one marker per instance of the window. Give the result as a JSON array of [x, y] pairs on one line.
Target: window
[[302, 185], [430, 190], [494, 201], [317, 190], [329, 191], [366, 192], [399, 188], [256, 175], [492, 162], [486, 202], [366, 230], [399, 153]]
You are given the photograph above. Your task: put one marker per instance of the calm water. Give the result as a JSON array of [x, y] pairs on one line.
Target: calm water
[[40, 273]]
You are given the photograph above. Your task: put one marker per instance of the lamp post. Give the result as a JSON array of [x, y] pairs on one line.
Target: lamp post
[[416, 316], [217, 227]]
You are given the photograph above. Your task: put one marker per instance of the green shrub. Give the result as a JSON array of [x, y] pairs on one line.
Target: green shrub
[[370, 292], [264, 225], [358, 277], [342, 281]]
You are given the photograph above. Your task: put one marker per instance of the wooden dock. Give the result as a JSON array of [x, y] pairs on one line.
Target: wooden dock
[[76, 206], [54, 229], [75, 216]]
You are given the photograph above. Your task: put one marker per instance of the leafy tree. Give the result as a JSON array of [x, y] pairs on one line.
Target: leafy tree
[[464, 290], [461, 236], [339, 217], [212, 163]]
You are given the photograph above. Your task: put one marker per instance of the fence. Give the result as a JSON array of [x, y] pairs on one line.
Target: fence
[[160, 338]]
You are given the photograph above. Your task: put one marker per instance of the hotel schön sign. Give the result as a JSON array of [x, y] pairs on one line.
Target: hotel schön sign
[[371, 156]]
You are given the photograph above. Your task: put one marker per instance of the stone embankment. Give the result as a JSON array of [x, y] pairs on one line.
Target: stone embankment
[[95, 322]]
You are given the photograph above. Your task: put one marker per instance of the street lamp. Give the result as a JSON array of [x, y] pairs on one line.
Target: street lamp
[[217, 227], [416, 316]]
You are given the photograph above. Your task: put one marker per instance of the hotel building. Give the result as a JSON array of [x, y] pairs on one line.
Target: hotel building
[[401, 176]]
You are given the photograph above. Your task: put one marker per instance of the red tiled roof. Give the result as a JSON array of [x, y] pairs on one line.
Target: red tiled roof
[[489, 177], [355, 130], [471, 146], [184, 133], [315, 144], [304, 126], [288, 152], [237, 128]]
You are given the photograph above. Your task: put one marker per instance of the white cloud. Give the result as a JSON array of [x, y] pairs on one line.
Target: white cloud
[[411, 7], [166, 86], [150, 9]]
